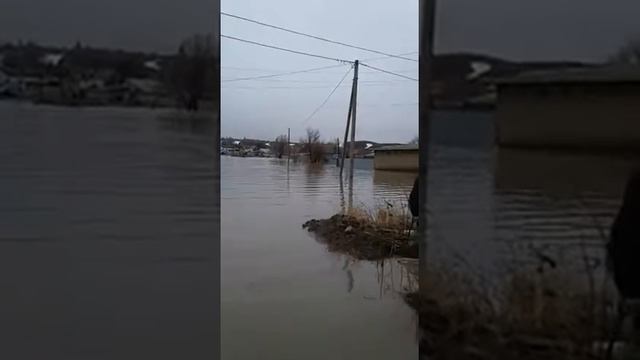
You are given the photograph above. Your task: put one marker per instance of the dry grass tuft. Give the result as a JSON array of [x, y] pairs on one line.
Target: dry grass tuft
[[390, 218], [531, 316], [367, 234]]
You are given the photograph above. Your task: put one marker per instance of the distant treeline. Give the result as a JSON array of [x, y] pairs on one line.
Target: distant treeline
[[189, 74], [458, 78], [31, 59]]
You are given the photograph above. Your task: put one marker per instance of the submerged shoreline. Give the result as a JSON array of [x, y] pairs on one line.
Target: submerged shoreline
[[365, 238], [530, 315]]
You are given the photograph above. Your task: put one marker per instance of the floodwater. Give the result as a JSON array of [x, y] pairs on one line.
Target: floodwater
[[108, 243], [497, 208], [283, 295], [108, 240]]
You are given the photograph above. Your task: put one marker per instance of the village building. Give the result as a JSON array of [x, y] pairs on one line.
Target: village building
[[52, 59], [572, 108], [396, 158]]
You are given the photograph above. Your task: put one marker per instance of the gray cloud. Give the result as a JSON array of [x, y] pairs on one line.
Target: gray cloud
[[150, 25], [537, 30]]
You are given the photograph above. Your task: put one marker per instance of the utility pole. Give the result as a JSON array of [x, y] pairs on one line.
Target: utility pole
[[352, 148], [351, 113], [338, 151], [353, 110], [288, 144], [427, 9], [288, 149], [346, 133], [346, 130]]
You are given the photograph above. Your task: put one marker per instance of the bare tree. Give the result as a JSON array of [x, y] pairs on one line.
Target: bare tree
[[312, 145], [629, 54], [280, 146], [313, 136], [415, 141], [190, 74]]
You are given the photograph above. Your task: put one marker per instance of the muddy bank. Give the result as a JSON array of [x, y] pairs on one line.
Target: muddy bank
[[528, 317], [460, 333], [362, 238]]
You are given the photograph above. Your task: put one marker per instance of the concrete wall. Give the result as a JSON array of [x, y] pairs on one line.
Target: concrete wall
[[571, 115], [399, 160]]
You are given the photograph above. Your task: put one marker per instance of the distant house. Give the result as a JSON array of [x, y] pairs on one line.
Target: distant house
[[33, 87], [5, 84], [264, 152], [92, 83], [574, 108], [153, 65], [52, 59], [49, 94], [396, 158], [4, 78], [104, 74], [362, 148], [144, 85], [146, 92]]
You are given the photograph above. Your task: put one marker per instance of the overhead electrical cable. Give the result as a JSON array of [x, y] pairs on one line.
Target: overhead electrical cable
[[317, 37], [328, 97]]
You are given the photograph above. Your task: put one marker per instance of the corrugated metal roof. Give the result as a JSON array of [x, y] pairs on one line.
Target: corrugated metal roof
[[398, 147], [622, 74]]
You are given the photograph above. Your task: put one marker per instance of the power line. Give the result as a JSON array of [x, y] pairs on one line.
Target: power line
[[304, 71], [387, 57], [317, 37], [388, 72], [283, 74], [272, 70], [311, 87], [396, 71], [275, 87], [238, 68], [328, 97], [295, 81], [287, 50], [325, 82]]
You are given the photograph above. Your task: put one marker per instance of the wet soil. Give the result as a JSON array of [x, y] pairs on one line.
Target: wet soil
[[362, 239]]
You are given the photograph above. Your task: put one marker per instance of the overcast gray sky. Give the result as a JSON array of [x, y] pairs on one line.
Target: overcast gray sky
[[520, 30], [150, 25], [515, 29], [387, 109]]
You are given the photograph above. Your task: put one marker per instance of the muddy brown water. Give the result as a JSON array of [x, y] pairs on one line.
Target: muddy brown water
[[498, 207], [108, 220], [283, 293]]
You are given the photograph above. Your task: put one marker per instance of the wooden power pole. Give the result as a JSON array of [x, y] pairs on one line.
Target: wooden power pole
[[338, 151], [427, 9], [353, 111], [352, 148], [351, 114], [288, 146]]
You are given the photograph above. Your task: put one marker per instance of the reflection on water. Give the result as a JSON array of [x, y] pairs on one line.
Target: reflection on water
[[397, 180], [490, 204], [108, 241], [559, 203], [562, 174], [283, 294]]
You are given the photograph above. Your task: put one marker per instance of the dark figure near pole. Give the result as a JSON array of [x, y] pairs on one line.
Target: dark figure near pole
[[413, 198], [622, 252], [624, 246]]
